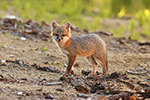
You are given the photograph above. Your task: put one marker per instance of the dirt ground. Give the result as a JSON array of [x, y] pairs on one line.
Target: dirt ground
[[21, 81]]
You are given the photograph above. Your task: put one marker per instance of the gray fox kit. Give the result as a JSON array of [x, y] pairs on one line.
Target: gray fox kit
[[90, 46]]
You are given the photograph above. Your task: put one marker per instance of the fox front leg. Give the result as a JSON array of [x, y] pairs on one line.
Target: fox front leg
[[71, 60]]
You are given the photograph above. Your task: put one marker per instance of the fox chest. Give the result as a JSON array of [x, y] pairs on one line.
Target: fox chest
[[64, 51]]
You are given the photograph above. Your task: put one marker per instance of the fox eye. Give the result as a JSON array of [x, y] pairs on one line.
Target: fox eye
[[56, 34], [63, 35]]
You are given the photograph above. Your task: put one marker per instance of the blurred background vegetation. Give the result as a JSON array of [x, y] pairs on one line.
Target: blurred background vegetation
[[87, 14]]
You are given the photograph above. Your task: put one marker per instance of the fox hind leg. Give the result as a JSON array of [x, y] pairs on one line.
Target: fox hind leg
[[103, 61], [92, 60]]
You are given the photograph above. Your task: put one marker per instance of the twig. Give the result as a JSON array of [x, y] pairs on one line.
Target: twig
[[145, 43], [127, 82], [136, 73]]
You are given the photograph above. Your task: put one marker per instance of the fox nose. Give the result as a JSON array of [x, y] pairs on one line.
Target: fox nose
[[58, 40]]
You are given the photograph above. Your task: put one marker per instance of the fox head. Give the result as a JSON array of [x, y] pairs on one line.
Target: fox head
[[60, 33]]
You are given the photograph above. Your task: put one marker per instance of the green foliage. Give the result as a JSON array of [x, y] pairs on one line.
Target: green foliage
[[26, 9], [144, 21], [146, 29], [59, 64], [78, 11], [44, 49], [95, 24], [7, 34], [119, 32], [4, 5], [132, 26], [141, 19], [73, 7], [146, 4], [136, 36]]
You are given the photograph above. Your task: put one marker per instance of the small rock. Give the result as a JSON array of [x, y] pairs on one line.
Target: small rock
[[59, 89], [65, 65], [49, 96], [143, 83], [23, 38], [114, 75], [10, 17], [48, 69], [102, 98], [77, 82], [3, 61], [39, 89], [86, 72], [76, 65], [45, 62], [33, 65], [9, 61], [96, 87], [142, 91], [140, 69], [36, 49], [82, 95], [19, 93], [53, 83], [27, 26], [63, 78], [82, 89], [28, 31], [1, 77], [11, 47], [11, 56], [121, 41], [80, 86]]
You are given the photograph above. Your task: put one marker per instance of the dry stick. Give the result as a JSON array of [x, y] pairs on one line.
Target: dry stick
[[145, 43], [136, 73], [127, 82], [10, 76]]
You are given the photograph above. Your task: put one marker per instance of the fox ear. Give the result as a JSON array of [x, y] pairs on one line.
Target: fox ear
[[67, 25], [54, 24]]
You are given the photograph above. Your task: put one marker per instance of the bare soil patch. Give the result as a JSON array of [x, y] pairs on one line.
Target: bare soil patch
[[31, 66]]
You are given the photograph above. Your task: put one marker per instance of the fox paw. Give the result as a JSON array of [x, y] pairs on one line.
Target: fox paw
[[65, 75], [92, 74], [72, 72], [105, 74]]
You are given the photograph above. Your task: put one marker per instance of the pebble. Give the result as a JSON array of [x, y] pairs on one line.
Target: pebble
[[3, 61], [50, 97], [23, 38], [10, 17], [53, 83], [82, 95], [19, 93], [11, 56], [45, 62]]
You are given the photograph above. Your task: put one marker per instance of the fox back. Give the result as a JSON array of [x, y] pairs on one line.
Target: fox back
[[87, 45]]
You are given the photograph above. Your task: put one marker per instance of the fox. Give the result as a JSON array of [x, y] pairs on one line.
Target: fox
[[90, 46]]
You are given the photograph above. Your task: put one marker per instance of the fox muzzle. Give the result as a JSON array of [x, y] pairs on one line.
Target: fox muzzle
[[58, 40]]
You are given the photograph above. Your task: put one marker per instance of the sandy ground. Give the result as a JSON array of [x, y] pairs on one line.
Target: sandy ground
[[121, 57]]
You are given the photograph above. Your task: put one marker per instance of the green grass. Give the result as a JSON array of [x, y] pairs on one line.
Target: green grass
[[78, 12], [44, 49], [7, 34], [119, 32], [132, 26]]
